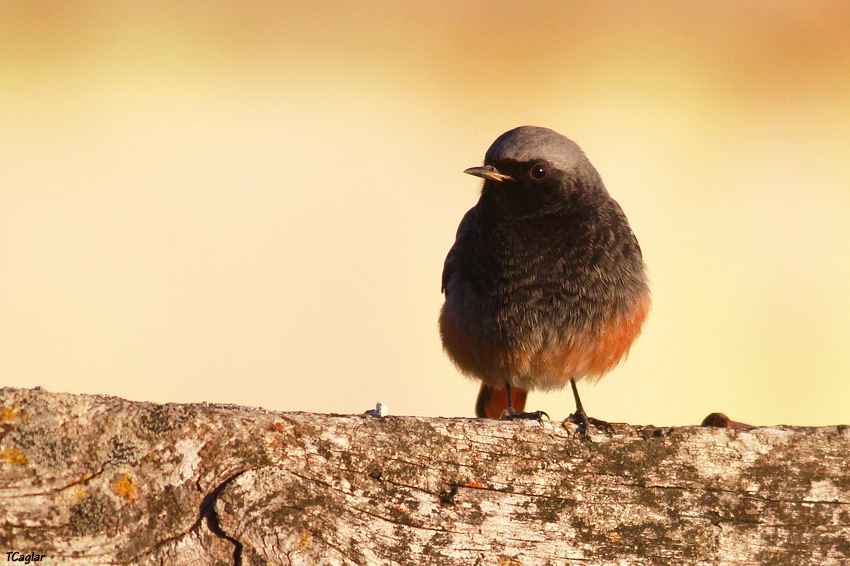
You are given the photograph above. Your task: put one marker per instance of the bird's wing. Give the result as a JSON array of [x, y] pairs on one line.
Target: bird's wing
[[463, 232]]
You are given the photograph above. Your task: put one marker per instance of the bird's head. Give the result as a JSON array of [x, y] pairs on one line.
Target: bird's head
[[537, 167]]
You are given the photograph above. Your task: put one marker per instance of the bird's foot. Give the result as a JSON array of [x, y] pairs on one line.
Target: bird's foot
[[584, 422], [511, 415]]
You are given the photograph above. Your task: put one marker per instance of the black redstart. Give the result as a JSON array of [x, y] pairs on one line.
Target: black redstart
[[545, 283]]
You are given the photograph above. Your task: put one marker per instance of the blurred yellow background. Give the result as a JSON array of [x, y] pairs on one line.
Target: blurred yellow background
[[251, 202]]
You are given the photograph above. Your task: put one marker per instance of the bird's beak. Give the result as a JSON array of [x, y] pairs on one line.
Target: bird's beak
[[488, 172]]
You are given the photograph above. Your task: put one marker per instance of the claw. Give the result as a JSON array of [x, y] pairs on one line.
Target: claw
[[511, 415], [584, 422]]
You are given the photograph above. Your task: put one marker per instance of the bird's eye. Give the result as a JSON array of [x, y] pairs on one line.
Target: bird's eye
[[539, 172]]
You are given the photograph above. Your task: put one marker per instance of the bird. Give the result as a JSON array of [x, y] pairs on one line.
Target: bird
[[545, 284]]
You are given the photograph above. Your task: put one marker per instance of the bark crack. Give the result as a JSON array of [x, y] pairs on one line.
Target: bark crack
[[206, 513], [209, 514]]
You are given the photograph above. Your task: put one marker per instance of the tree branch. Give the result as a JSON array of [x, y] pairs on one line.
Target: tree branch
[[101, 480]]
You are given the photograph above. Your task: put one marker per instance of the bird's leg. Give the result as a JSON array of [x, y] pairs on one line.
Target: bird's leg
[[510, 397], [582, 420], [511, 414]]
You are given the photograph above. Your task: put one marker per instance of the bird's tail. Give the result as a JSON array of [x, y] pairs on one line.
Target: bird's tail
[[491, 402]]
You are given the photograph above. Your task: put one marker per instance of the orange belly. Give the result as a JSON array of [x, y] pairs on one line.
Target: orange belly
[[582, 354]]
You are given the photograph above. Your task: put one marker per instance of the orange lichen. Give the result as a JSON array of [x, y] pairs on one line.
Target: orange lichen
[[127, 488], [13, 456], [10, 415], [306, 539]]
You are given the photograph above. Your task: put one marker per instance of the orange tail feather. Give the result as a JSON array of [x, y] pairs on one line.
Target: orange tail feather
[[491, 402]]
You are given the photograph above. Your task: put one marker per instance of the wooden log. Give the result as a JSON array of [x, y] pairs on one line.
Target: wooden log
[[101, 480]]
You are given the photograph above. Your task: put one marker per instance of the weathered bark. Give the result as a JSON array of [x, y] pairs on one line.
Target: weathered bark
[[101, 480]]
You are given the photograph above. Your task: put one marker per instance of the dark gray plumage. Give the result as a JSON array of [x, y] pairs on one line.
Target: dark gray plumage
[[545, 282]]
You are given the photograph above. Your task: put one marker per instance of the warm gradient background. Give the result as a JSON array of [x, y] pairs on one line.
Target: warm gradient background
[[250, 202]]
